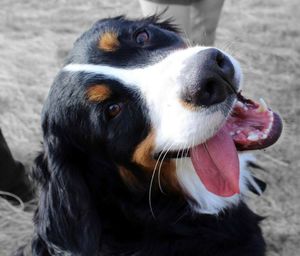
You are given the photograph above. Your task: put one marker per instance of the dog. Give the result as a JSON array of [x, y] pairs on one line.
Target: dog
[[141, 141]]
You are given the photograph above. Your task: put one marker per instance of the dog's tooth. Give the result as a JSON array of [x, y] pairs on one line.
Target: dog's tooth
[[262, 106], [252, 136], [239, 104], [264, 136]]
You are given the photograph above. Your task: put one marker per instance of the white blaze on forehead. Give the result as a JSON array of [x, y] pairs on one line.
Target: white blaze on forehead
[[160, 89]]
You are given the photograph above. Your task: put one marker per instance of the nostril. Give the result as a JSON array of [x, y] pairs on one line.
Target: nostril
[[188, 99], [208, 90], [220, 59], [206, 94], [225, 65]]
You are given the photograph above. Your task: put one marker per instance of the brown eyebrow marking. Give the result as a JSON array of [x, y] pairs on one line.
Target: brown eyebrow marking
[[109, 41], [98, 93]]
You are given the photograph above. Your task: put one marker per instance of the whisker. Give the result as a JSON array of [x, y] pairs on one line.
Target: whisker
[[156, 164], [181, 158], [150, 195], [151, 183], [187, 39], [186, 150], [159, 156], [160, 166]]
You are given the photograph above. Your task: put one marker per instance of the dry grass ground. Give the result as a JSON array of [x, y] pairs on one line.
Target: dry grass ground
[[264, 35]]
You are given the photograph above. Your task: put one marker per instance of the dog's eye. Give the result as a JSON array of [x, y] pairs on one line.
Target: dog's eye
[[114, 109], [142, 37]]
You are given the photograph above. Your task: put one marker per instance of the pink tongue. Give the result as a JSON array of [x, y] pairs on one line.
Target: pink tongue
[[217, 165]]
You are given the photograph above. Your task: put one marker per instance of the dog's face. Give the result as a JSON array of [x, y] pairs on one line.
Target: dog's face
[[135, 91]]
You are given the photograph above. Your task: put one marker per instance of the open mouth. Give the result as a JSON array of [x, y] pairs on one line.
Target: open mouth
[[253, 125], [250, 126]]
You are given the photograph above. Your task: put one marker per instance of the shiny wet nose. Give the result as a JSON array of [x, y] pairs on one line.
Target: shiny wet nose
[[209, 78]]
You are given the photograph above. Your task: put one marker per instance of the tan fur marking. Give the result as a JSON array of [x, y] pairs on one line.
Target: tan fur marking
[[143, 156], [189, 106], [168, 176], [98, 93], [109, 42]]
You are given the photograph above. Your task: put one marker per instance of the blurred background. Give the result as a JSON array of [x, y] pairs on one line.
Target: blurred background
[[36, 35]]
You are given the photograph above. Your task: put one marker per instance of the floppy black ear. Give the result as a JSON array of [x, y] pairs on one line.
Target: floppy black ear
[[66, 218]]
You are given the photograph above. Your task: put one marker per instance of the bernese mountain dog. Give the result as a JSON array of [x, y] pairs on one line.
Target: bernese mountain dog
[[142, 136]]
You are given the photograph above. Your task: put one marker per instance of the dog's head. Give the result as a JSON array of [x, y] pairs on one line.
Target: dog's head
[[136, 107]]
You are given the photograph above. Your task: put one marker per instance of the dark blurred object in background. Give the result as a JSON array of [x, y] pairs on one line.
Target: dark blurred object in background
[[13, 178]]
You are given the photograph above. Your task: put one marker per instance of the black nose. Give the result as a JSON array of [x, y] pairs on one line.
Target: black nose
[[208, 78]]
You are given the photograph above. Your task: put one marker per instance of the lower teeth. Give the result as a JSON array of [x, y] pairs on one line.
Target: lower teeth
[[252, 137]]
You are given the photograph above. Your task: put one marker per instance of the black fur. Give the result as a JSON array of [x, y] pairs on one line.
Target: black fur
[[85, 207]]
